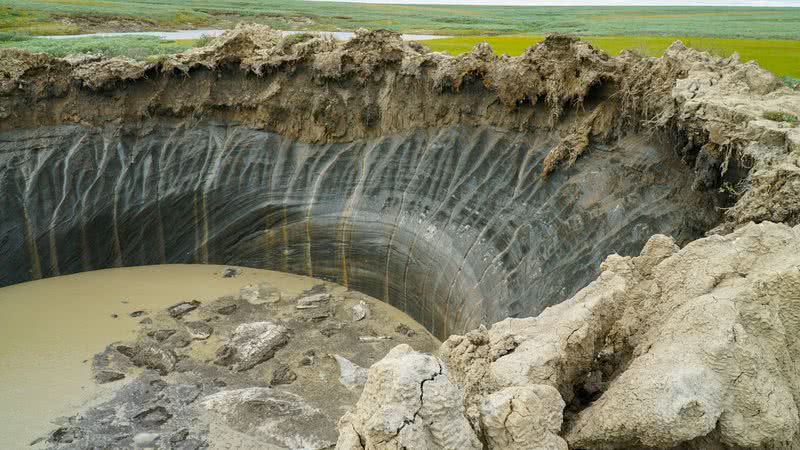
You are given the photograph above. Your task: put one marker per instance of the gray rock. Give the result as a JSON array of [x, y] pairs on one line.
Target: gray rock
[[65, 435], [184, 394], [313, 301], [108, 376], [373, 338], [161, 335], [317, 314], [350, 375], [360, 311], [179, 436], [252, 344], [126, 350], [282, 375], [154, 357], [228, 309], [146, 440], [199, 330], [330, 329], [309, 358], [152, 417], [404, 330], [277, 416], [183, 308], [231, 272]]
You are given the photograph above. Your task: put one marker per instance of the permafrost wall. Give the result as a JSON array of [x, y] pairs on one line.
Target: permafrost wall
[[453, 188], [452, 225]]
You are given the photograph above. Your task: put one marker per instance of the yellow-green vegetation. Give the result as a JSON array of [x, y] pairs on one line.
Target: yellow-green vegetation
[[135, 47], [780, 116], [778, 56], [62, 16]]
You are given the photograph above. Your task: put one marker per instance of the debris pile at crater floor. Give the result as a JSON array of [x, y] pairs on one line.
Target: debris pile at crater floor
[[691, 348], [246, 372]]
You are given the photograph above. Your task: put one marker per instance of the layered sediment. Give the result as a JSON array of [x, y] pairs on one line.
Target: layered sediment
[[425, 180], [453, 226]]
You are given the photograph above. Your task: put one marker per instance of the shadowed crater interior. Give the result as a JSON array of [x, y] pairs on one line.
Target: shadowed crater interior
[[455, 226]]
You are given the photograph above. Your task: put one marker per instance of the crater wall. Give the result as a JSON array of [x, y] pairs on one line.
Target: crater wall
[[454, 225]]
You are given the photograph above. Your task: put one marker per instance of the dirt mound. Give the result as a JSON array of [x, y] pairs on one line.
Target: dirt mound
[[663, 350]]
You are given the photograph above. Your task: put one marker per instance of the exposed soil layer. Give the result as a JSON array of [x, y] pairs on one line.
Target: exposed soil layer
[[412, 176]]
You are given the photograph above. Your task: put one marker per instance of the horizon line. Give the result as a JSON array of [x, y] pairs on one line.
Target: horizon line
[[567, 3]]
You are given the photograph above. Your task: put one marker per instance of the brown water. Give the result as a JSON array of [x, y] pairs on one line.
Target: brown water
[[50, 329]]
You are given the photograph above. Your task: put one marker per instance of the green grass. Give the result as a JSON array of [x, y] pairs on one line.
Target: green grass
[[779, 56], [136, 47], [47, 17]]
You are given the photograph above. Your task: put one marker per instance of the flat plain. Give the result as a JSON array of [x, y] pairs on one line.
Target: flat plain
[[771, 36]]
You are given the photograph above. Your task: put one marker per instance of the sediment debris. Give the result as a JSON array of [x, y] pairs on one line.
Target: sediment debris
[[350, 375], [183, 308], [274, 388], [251, 344]]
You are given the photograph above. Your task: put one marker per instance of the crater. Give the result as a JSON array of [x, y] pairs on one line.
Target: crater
[[460, 190], [453, 225]]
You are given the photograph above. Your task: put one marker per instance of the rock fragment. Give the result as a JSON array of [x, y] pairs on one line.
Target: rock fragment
[[179, 436], [65, 435], [360, 311], [313, 301], [108, 376], [408, 402], [181, 309], [373, 338], [199, 330], [404, 330], [350, 374], [309, 358], [282, 375], [228, 309], [161, 335], [524, 418], [331, 329], [231, 272], [153, 357], [153, 417], [252, 344], [146, 440], [276, 416]]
